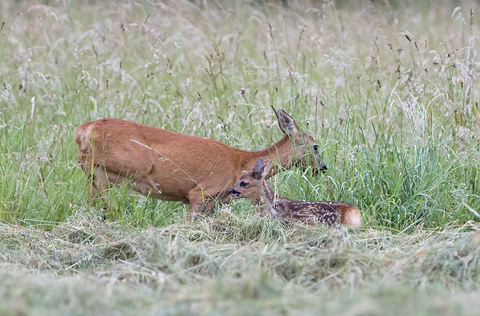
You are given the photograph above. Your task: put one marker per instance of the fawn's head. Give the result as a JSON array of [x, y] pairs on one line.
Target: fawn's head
[[249, 186], [304, 148]]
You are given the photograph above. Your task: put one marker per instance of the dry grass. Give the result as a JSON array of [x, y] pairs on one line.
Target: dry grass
[[235, 265]]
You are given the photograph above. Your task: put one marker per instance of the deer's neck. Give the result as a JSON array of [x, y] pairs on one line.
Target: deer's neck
[[269, 199], [280, 153]]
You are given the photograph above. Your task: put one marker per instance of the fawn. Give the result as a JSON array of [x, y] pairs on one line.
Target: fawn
[[253, 186]]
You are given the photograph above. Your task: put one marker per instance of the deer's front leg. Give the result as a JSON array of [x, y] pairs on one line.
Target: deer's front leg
[[202, 202]]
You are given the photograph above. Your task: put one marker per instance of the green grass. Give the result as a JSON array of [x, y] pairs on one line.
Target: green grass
[[388, 91]]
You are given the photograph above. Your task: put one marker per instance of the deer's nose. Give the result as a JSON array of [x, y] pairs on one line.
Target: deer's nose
[[234, 193], [323, 167]]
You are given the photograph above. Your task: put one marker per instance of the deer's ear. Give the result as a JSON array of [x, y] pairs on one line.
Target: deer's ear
[[285, 122], [267, 169], [258, 169]]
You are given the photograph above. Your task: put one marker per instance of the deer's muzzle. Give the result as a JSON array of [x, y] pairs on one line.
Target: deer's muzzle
[[235, 194], [323, 167]]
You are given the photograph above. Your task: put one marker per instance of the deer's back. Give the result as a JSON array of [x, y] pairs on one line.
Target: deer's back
[[177, 161], [319, 211]]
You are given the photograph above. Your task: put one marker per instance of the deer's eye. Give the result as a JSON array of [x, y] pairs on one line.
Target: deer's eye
[[243, 184], [315, 147]]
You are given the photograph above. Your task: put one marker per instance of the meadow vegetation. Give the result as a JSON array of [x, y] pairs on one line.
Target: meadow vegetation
[[387, 89]]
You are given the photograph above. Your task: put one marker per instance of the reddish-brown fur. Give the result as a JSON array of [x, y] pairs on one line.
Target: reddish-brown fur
[[176, 167], [252, 185]]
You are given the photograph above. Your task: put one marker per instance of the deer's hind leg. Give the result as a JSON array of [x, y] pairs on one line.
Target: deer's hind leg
[[99, 179], [98, 183]]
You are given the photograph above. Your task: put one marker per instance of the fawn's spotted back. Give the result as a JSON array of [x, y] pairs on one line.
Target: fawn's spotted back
[[252, 186]]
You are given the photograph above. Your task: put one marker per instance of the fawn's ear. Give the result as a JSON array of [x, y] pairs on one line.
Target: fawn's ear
[[285, 122], [258, 169], [267, 169]]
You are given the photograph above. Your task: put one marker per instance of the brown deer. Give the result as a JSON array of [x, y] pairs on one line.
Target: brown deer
[[252, 186], [175, 167]]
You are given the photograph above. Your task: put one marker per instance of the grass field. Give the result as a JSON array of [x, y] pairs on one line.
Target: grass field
[[389, 92]]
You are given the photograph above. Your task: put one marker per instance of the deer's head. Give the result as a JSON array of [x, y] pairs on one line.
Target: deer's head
[[304, 149], [249, 186]]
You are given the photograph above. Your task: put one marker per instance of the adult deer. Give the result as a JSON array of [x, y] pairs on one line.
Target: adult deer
[[176, 167], [252, 186]]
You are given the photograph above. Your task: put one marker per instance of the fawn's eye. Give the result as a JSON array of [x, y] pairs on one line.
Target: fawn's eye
[[243, 184], [315, 147]]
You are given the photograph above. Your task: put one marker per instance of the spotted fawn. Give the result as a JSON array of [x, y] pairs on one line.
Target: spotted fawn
[[252, 186]]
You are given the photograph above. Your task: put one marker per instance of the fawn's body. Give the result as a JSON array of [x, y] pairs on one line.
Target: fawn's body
[[253, 186]]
